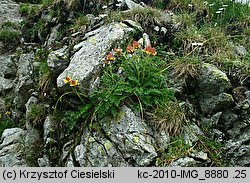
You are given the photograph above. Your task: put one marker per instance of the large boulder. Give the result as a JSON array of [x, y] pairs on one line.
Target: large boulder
[[17, 147], [213, 85], [58, 60], [212, 81], [85, 63], [127, 141]]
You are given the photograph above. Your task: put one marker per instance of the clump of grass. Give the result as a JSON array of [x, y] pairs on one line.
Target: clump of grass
[[5, 122], [79, 23], [169, 118], [114, 16], [186, 68], [147, 17], [185, 19], [37, 114], [9, 37], [177, 148], [212, 39]]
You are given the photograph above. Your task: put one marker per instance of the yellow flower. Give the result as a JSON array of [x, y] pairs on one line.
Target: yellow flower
[[8, 113], [73, 82], [67, 80]]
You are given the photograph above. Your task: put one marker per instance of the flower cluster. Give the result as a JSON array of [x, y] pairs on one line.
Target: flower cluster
[[150, 51], [70, 81], [131, 48]]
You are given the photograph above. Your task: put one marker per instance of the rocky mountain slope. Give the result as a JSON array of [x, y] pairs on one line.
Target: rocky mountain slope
[[124, 83]]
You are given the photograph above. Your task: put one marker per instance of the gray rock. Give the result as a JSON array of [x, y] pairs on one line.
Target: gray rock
[[212, 81], [146, 40], [227, 120], [211, 122], [240, 50], [238, 149], [32, 101], [101, 152], [133, 25], [24, 64], [162, 139], [191, 134], [127, 141], [48, 127], [22, 89], [210, 104], [7, 67], [12, 148], [53, 35], [132, 5], [133, 138], [9, 11], [216, 135], [58, 60], [186, 162], [85, 62], [16, 145], [44, 161], [6, 85], [200, 155]]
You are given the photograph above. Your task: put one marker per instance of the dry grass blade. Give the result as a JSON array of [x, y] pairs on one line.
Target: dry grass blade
[[171, 119]]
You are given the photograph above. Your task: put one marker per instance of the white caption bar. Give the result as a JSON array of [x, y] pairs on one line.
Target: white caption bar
[[128, 175]]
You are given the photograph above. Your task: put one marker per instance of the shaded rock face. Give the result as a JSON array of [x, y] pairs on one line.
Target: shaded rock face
[[58, 60], [212, 87], [126, 142], [9, 11], [16, 146], [84, 65]]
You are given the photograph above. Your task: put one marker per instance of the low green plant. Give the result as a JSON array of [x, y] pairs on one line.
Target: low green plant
[[5, 122], [135, 78], [10, 38], [185, 68], [37, 114], [170, 117], [24, 9], [176, 148], [215, 150], [148, 17], [79, 23]]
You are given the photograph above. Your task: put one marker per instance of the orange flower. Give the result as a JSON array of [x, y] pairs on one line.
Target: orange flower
[[130, 49], [67, 80], [73, 83], [153, 52], [110, 57], [136, 45], [118, 51], [150, 51]]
